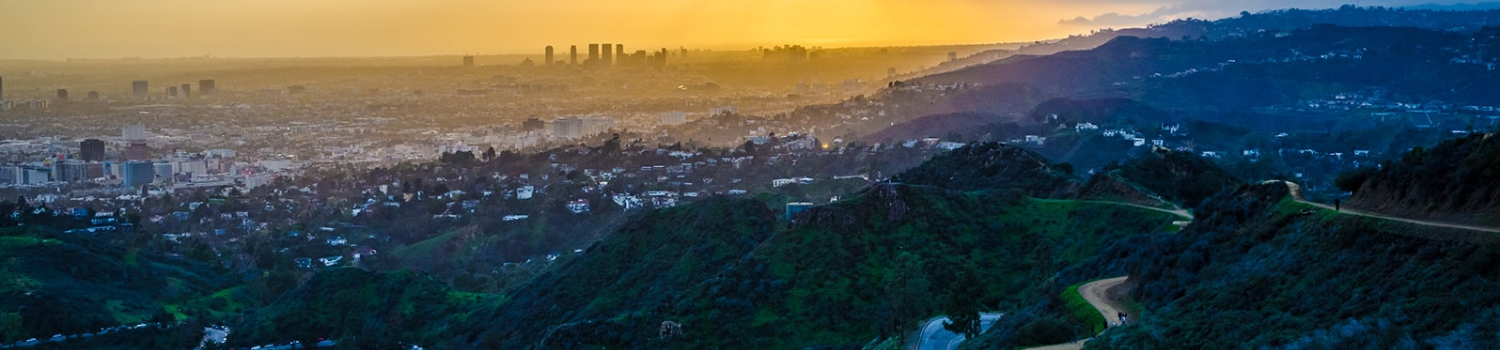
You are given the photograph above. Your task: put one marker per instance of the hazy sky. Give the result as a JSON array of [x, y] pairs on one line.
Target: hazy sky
[[54, 29]]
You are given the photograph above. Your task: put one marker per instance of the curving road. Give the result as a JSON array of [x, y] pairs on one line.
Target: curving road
[[935, 337]]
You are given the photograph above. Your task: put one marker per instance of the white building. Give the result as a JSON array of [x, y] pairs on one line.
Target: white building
[[673, 118]]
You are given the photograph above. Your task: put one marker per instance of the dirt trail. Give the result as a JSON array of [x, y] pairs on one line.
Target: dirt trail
[[1098, 294], [1296, 192]]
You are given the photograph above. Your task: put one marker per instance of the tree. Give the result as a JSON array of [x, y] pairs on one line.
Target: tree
[[962, 306], [908, 293]]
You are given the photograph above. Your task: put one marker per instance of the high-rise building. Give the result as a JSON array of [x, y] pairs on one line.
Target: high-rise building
[[62, 95], [206, 88], [164, 172], [171, 92], [135, 132], [595, 125], [138, 89], [468, 61], [71, 170], [549, 55], [138, 172], [568, 128], [573, 55], [609, 55], [187, 90], [593, 55], [532, 124], [673, 118], [2, 88], [91, 150], [137, 150]]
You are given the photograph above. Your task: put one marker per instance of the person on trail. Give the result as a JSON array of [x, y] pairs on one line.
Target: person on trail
[[1335, 204]]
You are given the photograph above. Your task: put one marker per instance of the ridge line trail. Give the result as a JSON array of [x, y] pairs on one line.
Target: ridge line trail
[[1296, 193]]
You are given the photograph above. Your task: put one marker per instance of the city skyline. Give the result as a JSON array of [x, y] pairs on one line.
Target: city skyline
[[349, 28]]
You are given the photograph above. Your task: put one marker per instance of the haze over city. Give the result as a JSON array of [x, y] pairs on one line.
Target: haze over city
[[745, 175], [56, 29]]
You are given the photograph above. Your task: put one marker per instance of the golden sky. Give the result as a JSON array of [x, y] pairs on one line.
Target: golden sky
[[54, 29]]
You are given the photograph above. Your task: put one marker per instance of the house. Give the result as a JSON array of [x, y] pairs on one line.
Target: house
[[337, 241], [303, 263], [514, 217], [332, 260], [580, 206], [1251, 153], [782, 182]]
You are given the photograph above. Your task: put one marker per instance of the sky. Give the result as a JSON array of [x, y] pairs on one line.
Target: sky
[[57, 29]]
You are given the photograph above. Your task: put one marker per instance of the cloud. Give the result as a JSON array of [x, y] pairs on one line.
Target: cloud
[[1214, 9], [1115, 19]]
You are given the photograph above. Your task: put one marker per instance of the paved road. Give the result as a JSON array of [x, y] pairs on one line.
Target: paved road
[[1297, 195], [40, 340], [935, 337]]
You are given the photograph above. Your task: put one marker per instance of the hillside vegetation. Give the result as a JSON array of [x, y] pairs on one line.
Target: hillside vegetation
[[1454, 181]]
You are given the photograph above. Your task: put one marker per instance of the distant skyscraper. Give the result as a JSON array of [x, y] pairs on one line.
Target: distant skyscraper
[[568, 128], [171, 92], [593, 54], [135, 132], [549, 55], [138, 172], [573, 55], [187, 90], [62, 95], [138, 89], [2, 88], [91, 150], [532, 124], [206, 88], [620, 53], [468, 61], [609, 55]]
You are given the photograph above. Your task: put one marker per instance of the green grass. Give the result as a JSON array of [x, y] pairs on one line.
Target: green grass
[[1082, 311]]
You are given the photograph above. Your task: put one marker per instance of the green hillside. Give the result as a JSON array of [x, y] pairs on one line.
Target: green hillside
[[63, 283]]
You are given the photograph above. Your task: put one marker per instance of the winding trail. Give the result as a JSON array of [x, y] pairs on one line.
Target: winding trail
[[1296, 193], [1177, 211], [1097, 293]]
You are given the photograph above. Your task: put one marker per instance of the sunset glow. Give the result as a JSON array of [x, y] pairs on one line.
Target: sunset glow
[[273, 28]]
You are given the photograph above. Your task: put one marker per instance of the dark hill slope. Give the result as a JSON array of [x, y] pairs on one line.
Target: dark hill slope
[[994, 166], [870, 265], [1255, 272], [1457, 181], [57, 283], [369, 310], [1178, 177]]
